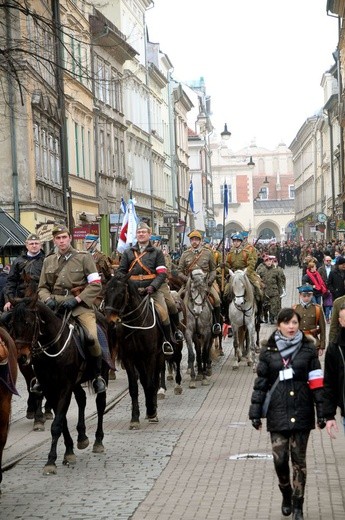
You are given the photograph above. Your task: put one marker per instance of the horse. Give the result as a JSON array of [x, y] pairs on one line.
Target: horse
[[8, 378], [138, 340], [35, 402], [49, 342], [242, 315], [199, 326]]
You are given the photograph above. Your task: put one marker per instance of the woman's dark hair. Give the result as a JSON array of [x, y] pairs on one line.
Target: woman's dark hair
[[287, 314]]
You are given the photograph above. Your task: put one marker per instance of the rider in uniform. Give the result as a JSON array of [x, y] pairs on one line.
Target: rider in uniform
[[199, 257], [69, 279], [146, 264], [102, 262], [244, 256]]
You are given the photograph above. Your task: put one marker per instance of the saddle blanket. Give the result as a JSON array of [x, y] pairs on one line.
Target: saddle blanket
[[103, 341]]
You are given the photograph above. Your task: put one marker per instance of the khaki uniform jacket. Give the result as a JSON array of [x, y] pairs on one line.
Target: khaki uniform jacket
[[308, 323], [242, 258], [78, 267], [335, 326], [205, 262]]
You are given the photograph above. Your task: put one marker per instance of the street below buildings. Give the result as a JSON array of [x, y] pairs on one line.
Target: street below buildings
[[203, 460]]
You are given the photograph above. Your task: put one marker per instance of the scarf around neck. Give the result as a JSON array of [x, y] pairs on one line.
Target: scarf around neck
[[316, 280], [287, 346]]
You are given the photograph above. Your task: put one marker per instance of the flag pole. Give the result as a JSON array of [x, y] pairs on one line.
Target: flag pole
[[225, 208], [186, 216]]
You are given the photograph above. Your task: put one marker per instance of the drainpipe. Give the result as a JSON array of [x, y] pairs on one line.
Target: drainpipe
[[331, 145], [11, 101]]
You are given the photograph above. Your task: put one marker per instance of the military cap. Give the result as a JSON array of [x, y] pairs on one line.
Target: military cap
[[237, 236], [143, 225], [195, 234], [91, 238], [33, 236], [58, 230], [306, 288]]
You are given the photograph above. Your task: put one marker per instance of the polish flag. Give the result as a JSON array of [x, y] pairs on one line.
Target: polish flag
[[315, 379], [127, 235]]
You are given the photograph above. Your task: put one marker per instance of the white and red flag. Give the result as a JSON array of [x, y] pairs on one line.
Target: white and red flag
[[127, 235]]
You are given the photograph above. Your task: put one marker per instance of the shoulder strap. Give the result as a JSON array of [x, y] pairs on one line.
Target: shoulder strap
[[137, 260], [190, 267], [317, 313]]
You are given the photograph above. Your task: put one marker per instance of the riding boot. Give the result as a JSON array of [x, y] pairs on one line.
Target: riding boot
[[167, 347], [297, 508], [287, 497], [216, 329], [98, 382], [175, 321]]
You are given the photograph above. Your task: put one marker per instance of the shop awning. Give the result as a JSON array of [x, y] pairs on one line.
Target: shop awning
[[11, 233]]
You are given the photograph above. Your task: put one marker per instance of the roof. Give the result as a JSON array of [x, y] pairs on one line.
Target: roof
[[287, 204], [11, 232]]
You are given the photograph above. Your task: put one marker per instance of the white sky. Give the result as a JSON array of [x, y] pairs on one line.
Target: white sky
[[262, 60]]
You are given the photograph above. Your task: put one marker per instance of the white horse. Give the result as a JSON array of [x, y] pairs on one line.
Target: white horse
[[242, 312]]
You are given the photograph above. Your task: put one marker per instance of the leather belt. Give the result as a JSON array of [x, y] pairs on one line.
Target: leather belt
[[61, 292], [142, 277]]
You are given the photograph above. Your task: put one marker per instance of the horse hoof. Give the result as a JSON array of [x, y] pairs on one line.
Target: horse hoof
[[134, 426], [161, 393], [249, 363], [69, 460], [30, 415], [205, 382], [112, 375], [198, 377], [170, 377], [209, 372], [48, 416], [235, 367], [39, 426], [153, 419], [82, 445], [192, 385], [49, 469], [98, 448], [178, 390]]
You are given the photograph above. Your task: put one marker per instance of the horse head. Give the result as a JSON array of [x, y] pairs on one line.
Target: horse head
[[198, 291], [116, 297], [24, 327], [238, 287]]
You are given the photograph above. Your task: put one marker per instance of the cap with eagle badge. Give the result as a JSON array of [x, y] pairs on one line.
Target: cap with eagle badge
[[58, 230], [32, 236]]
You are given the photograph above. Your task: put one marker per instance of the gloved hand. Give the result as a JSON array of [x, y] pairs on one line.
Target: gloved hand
[[150, 289], [321, 422], [256, 423], [69, 305], [51, 303]]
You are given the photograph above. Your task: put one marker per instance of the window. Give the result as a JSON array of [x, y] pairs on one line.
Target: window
[[291, 191], [47, 152], [229, 194], [263, 193]]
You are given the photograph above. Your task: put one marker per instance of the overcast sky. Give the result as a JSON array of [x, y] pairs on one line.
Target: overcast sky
[[262, 60]]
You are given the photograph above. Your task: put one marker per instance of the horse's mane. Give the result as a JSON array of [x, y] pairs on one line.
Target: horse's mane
[[123, 278]]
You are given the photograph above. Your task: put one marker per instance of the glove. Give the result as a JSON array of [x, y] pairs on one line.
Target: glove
[[150, 289], [256, 423], [51, 303], [321, 422], [69, 305]]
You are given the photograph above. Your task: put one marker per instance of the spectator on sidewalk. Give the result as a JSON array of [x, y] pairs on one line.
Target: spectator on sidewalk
[[289, 374], [312, 317], [327, 298], [336, 278], [334, 378], [313, 278]]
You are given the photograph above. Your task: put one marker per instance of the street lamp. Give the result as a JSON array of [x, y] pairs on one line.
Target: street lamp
[[251, 162], [225, 134]]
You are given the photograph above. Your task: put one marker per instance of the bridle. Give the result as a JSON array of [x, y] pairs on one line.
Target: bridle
[[127, 319]]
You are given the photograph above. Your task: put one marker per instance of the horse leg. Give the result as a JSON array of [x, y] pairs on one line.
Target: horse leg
[[237, 349], [69, 458], [133, 392], [206, 360], [162, 388], [80, 397], [101, 400], [149, 379], [191, 361], [177, 364], [48, 414], [198, 347], [60, 406]]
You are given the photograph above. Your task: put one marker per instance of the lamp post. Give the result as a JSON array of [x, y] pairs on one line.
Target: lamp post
[[226, 134]]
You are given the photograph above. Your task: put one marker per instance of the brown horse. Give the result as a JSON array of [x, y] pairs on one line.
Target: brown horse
[[8, 378]]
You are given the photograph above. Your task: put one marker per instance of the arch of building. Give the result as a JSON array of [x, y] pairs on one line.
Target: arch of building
[[233, 227], [269, 229]]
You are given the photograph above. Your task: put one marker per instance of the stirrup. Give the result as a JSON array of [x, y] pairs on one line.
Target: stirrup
[[167, 348], [216, 329], [99, 385], [35, 387]]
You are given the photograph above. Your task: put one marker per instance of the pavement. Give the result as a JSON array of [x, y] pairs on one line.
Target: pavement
[[203, 460]]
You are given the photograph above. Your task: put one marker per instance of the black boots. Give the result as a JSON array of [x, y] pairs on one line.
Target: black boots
[[287, 499], [98, 383], [167, 347], [297, 508], [175, 322]]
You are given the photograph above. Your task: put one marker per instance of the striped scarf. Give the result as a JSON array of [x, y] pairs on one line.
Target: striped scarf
[[287, 346]]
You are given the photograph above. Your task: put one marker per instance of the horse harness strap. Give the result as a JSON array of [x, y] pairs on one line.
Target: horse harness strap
[[148, 276]]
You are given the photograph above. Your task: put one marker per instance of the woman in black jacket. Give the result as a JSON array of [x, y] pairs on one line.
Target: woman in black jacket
[[289, 367], [334, 389]]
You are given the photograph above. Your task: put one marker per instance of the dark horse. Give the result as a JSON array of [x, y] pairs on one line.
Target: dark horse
[[8, 377], [48, 342], [138, 341]]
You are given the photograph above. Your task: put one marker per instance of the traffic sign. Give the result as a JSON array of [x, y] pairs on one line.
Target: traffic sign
[[170, 218], [164, 230]]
